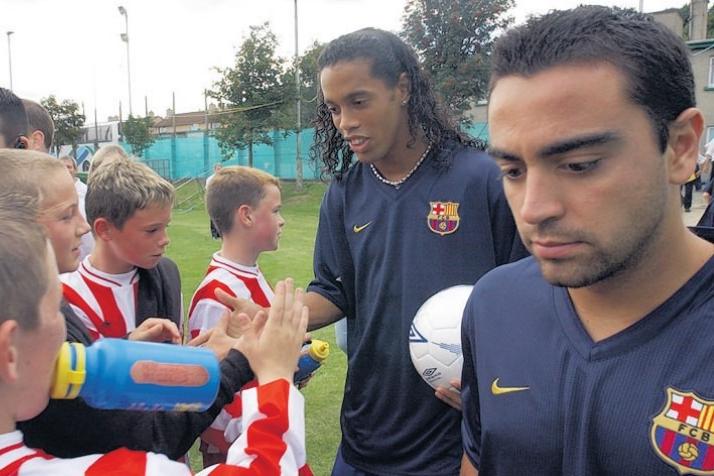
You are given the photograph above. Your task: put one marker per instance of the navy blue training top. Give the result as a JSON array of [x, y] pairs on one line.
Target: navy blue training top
[[541, 398], [379, 254]]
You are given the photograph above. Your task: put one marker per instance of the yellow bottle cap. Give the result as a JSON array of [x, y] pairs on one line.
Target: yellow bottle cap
[[70, 373], [319, 350]]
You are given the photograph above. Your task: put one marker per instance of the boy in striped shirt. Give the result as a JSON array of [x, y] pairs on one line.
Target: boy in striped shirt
[[244, 205], [273, 442]]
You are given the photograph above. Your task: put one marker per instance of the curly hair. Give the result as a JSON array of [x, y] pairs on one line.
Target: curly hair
[[390, 57]]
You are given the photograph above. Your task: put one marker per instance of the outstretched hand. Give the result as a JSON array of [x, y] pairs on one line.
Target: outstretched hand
[[156, 329], [271, 342]]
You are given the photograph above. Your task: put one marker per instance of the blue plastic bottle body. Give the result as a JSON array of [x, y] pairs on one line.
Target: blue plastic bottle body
[[306, 366], [130, 375]]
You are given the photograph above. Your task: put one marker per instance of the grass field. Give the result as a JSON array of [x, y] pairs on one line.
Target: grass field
[[191, 247]]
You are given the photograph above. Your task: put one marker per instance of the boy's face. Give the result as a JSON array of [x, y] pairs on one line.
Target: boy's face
[[38, 348], [583, 173], [143, 239], [62, 220], [268, 221], [365, 110]]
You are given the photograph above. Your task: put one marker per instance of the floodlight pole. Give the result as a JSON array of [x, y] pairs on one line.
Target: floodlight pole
[[9, 56], [125, 39], [298, 160]]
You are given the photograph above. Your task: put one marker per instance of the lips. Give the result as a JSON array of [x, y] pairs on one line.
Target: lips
[[549, 249], [358, 144]]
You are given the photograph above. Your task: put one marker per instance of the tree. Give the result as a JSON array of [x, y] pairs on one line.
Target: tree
[[68, 122], [252, 90], [137, 133], [453, 39], [684, 13], [308, 89]]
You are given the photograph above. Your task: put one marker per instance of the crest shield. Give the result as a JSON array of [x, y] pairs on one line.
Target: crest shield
[[682, 434], [443, 217]]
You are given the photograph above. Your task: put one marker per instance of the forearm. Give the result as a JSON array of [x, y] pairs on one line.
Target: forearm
[[322, 311], [467, 469]]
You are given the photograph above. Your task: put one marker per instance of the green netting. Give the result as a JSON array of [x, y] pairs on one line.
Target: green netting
[[193, 155]]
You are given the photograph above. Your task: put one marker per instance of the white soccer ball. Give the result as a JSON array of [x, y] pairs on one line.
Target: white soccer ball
[[435, 336]]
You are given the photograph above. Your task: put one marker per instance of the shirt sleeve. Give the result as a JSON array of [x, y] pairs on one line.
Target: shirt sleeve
[[331, 252], [471, 419], [273, 442]]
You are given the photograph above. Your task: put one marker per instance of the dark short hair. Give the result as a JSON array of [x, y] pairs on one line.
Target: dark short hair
[[652, 58], [39, 120], [13, 118], [390, 57]]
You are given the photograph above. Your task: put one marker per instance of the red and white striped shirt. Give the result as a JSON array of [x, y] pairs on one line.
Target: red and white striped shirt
[[106, 303], [273, 444], [246, 282]]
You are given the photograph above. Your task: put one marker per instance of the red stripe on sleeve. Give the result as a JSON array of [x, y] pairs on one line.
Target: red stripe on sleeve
[[13, 468], [209, 292], [119, 462]]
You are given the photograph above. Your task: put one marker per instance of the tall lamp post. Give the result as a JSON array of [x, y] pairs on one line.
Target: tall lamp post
[[125, 39], [298, 160], [9, 56]]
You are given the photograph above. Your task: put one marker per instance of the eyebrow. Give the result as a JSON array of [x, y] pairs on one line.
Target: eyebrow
[[563, 147]]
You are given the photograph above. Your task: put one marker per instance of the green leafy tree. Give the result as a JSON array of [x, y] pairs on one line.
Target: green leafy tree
[[68, 122], [253, 91], [454, 39], [137, 133]]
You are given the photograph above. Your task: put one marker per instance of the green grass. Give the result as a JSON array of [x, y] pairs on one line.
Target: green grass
[[191, 248]]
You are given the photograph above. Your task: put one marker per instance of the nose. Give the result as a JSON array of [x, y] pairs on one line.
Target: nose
[[164, 240], [82, 227], [541, 200], [347, 121]]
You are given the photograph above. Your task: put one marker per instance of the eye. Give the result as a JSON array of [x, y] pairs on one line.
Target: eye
[[332, 110], [511, 173], [582, 167]]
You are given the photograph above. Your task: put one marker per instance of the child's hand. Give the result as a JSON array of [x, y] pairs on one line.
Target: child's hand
[[272, 343], [156, 329], [238, 305], [217, 338]]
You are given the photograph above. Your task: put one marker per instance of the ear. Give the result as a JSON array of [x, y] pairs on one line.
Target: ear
[[103, 229], [8, 352], [37, 141], [244, 215], [404, 89], [683, 145]]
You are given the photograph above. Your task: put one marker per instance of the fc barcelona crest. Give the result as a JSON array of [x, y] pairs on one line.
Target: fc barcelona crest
[[443, 217], [682, 433]]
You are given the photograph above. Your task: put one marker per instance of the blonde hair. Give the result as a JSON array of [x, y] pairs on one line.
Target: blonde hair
[[29, 167], [119, 188], [105, 154], [23, 247], [232, 187]]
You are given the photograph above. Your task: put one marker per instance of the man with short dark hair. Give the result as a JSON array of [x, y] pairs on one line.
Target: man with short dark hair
[[13, 121], [594, 356], [41, 130]]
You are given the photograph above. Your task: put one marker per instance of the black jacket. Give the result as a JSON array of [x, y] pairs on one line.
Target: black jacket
[[71, 428]]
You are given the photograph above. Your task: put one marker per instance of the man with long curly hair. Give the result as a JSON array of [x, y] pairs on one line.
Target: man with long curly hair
[[420, 210]]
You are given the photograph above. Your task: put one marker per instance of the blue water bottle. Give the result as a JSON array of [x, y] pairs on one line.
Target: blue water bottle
[[313, 354], [128, 375]]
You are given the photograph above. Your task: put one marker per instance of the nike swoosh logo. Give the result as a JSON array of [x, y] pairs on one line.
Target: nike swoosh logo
[[498, 390], [357, 229]]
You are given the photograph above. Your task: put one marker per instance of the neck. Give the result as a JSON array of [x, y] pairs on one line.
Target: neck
[[104, 260], [7, 424], [400, 162], [237, 250], [610, 306]]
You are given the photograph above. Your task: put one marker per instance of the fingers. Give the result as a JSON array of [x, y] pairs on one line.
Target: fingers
[[278, 305], [289, 298], [200, 339], [227, 300]]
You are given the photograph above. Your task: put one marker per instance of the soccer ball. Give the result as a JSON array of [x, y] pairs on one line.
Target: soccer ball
[[435, 336]]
